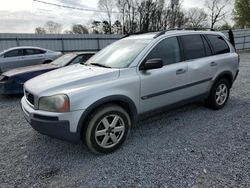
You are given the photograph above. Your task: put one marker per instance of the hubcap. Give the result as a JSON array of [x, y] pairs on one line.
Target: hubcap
[[221, 94], [109, 131]]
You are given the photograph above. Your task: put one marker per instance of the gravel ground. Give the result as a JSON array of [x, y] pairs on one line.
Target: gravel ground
[[189, 147]]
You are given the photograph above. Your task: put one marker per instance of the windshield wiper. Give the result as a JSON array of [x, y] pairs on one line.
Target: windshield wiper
[[100, 65]]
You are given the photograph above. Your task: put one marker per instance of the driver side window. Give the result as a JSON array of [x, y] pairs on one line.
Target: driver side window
[[14, 53], [167, 50]]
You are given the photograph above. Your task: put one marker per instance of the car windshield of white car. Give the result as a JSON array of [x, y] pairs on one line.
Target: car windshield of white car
[[63, 60]]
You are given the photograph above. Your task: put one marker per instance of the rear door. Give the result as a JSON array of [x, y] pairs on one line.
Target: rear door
[[201, 67], [223, 59], [33, 56], [12, 59], [164, 86]]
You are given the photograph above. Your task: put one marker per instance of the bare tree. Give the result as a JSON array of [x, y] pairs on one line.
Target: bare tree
[[53, 27], [40, 30], [107, 6], [216, 9], [96, 27], [197, 17], [79, 29]]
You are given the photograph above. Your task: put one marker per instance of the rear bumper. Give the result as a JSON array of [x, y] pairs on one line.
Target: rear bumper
[[53, 126], [236, 75]]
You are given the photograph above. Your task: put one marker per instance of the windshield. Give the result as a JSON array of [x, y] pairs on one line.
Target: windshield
[[63, 60], [119, 54]]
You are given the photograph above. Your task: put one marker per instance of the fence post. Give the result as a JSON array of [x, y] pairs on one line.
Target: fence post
[[62, 43], [17, 41], [98, 43]]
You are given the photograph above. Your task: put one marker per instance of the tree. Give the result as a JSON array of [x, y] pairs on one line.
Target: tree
[[96, 27], [117, 27], [107, 6], [241, 13], [68, 32], [197, 17], [40, 30], [79, 29], [52, 27], [106, 27], [225, 26], [216, 9]]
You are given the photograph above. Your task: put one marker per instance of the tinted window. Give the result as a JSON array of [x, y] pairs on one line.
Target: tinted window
[[33, 51], [207, 47], [193, 46], [14, 53], [78, 59], [168, 50], [85, 57], [218, 43]]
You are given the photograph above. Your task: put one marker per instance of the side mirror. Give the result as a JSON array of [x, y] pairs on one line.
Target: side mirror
[[152, 64]]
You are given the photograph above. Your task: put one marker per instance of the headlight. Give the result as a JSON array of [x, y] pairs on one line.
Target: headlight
[[55, 103], [3, 78]]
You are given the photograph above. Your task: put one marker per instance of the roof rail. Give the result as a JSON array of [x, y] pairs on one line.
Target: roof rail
[[136, 33], [185, 28], [170, 29]]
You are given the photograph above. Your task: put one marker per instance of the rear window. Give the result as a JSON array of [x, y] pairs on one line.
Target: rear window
[[193, 46], [33, 51], [219, 44]]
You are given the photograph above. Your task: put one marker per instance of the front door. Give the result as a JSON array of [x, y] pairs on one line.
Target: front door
[[164, 86], [12, 59]]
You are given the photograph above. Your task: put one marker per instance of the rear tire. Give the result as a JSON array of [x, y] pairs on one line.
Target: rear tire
[[219, 94], [107, 129]]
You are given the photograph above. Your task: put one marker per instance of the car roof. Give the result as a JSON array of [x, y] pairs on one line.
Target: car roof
[[82, 53], [173, 32], [86, 52], [24, 47]]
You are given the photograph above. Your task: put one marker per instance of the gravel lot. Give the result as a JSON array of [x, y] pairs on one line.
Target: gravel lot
[[189, 147]]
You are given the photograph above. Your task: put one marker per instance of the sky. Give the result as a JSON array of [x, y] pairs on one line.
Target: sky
[[23, 16]]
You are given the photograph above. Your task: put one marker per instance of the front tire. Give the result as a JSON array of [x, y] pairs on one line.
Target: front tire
[[219, 94], [108, 128]]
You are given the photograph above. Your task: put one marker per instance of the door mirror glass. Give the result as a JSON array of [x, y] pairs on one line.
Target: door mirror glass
[[152, 64]]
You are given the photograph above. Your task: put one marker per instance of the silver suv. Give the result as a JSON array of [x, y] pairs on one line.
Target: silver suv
[[99, 101]]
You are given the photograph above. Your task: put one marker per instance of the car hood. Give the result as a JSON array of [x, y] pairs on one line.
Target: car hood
[[70, 78], [22, 70]]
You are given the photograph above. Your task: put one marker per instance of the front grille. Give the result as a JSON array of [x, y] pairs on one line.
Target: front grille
[[30, 97]]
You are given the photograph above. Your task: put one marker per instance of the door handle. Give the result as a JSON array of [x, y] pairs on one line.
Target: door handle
[[180, 71], [212, 64]]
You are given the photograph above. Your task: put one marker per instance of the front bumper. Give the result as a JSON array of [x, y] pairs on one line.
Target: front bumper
[[10, 88], [57, 125]]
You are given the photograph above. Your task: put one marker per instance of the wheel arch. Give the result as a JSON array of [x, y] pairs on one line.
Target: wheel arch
[[225, 74], [47, 61], [120, 100]]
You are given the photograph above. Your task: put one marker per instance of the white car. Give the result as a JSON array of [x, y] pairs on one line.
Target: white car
[[25, 56]]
